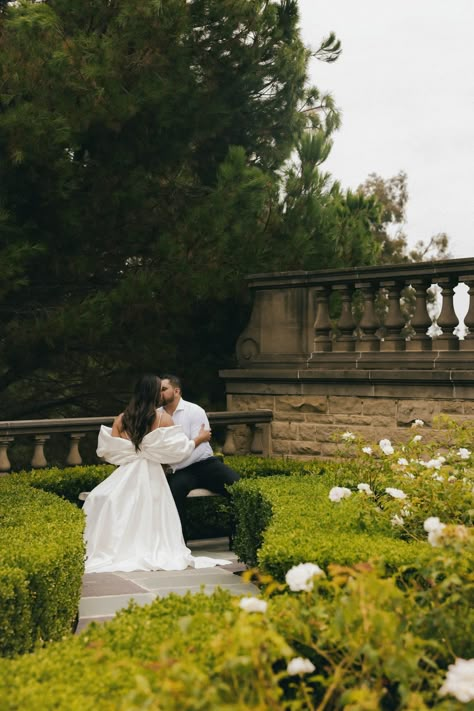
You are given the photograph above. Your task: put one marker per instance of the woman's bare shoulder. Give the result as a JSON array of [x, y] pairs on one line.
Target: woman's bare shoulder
[[117, 426], [166, 420], [162, 419]]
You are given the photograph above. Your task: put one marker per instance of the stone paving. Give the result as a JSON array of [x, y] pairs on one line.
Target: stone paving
[[103, 594]]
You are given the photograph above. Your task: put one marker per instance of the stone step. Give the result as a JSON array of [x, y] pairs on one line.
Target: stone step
[[103, 594]]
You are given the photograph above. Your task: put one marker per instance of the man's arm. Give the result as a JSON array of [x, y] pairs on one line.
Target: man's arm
[[195, 418]]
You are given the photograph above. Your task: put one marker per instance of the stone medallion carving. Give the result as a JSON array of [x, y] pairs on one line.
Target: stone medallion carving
[[248, 349]]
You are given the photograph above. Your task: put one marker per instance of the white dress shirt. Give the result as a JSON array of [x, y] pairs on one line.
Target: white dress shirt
[[191, 416]]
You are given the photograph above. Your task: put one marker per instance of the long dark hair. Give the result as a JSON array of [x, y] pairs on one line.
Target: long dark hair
[[140, 412]]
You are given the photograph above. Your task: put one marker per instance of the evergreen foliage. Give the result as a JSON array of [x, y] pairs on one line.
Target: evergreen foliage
[[139, 154], [151, 155]]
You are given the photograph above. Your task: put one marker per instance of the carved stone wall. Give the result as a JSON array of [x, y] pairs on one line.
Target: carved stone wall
[[367, 369], [306, 424]]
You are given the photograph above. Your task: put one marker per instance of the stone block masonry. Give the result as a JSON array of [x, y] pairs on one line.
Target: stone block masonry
[[309, 424]]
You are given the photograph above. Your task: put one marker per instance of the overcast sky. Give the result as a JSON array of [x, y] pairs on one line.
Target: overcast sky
[[405, 85]]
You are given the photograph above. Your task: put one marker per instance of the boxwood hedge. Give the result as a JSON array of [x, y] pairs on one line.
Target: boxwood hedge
[[373, 643], [42, 554], [42, 549], [284, 521]]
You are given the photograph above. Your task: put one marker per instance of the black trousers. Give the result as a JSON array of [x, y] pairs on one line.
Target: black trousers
[[210, 473]]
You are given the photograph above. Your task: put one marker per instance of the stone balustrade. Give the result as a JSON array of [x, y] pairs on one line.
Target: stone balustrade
[[357, 349], [291, 323], [244, 431]]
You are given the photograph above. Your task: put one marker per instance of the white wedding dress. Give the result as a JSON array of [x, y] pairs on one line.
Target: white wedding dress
[[131, 519]]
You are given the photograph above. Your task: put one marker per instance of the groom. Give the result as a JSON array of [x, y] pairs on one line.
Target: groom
[[201, 470]]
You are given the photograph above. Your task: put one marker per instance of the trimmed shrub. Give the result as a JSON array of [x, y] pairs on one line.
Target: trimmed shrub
[[206, 517], [251, 467], [214, 516], [15, 611], [66, 483], [380, 626], [169, 654], [42, 553], [370, 641], [282, 522], [253, 511]]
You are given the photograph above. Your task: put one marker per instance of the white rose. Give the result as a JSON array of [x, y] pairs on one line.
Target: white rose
[[459, 680], [339, 492], [365, 488], [298, 665], [434, 464], [252, 604], [300, 577], [432, 524], [434, 528], [434, 538], [396, 493], [386, 446]]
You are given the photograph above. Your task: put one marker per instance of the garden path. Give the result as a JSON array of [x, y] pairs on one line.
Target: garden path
[[103, 594]]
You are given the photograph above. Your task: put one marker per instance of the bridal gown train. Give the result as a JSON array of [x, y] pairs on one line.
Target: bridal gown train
[[131, 519]]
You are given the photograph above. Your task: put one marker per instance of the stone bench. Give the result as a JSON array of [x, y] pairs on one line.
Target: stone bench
[[193, 494]]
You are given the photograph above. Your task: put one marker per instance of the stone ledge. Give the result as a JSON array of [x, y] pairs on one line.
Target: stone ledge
[[336, 375]]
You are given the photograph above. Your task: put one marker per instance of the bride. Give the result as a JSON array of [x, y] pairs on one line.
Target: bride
[[131, 519]]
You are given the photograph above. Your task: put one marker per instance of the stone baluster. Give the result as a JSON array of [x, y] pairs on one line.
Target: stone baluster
[[229, 444], [394, 321], [420, 322], [74, 458], [322, 324], [345, 342], [447, 320], [310, 320], [5, 465], [256, 445], [468, 343], [368, 325], [38, 461]]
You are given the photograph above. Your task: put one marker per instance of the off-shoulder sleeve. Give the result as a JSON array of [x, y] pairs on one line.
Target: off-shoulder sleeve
[[115, 450], [167, 444], [163, 445]]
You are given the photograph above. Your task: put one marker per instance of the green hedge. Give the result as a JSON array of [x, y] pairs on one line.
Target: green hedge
[[374, 645], [42, 554], [376, 642], [156, 652], [285, 521], [43, 551], [66, 483], [213, 516], [251, 467], [206, 517]]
